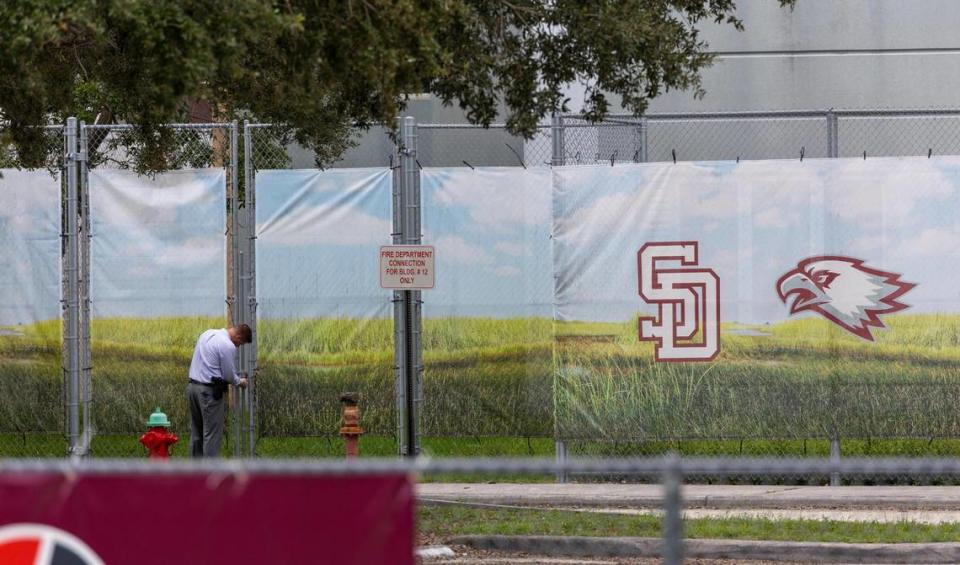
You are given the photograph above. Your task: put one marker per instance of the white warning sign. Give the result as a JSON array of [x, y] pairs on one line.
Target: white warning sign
[[407, 267]]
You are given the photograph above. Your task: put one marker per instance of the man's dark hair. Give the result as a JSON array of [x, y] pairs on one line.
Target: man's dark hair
[[245, 333]]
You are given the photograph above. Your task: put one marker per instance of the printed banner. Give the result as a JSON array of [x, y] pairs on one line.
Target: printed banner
[[158, 280], [205, 518], [325, 327], [30, 330], [487, 321], [769, 299]]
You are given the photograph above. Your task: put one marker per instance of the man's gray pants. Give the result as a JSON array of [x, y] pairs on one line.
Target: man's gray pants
[[206, 420]]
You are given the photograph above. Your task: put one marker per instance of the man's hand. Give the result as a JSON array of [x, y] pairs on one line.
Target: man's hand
[[242, 383]]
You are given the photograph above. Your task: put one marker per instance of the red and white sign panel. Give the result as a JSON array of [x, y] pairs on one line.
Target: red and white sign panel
[[205, 517], [407, 267]]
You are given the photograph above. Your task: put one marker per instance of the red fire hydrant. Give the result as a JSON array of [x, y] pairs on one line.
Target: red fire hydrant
[[158, 439], [350, 430]]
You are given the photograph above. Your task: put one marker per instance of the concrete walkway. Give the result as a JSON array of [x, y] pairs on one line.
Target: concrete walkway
[[946, 500]]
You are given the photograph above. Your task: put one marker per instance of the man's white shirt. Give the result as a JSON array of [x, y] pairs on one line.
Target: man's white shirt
[[213, 357]]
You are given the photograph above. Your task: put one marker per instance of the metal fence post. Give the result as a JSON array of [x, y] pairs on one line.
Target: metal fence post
[[559, 143], [560, 447], [86, 361], [672, 511], [557, 159], [399, 310], [250, 205], [835, 458], [833, 146], [414, 212], [235, 264], [407, 304], [71, 298], [644, 128], [833, 151]]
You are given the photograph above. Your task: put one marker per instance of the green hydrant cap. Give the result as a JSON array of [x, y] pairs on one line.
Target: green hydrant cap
[[158, 418]]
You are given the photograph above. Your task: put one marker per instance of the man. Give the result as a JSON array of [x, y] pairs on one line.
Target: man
[[211, 371]]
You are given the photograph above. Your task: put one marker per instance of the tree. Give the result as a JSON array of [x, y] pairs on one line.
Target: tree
[[323, 66]]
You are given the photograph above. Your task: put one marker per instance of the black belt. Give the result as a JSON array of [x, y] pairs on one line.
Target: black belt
[[193, 382]]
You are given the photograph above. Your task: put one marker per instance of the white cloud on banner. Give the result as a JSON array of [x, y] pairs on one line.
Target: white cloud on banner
[[931, 242], [29, 246], [135, 201], [889, 190], [612, 213], [771, 218], [492, 203], [509, 248], [34, 205], [341, 207], [328, 224], [193, 252], [158, 246], [455, 249], [698, 192], [868, 245], [507, 271]]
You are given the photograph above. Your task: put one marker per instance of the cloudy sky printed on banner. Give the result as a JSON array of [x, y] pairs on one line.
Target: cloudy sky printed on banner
[[30, 250], [491, 230], [318, 240], [319, 233], [755, 221], [158, 243]]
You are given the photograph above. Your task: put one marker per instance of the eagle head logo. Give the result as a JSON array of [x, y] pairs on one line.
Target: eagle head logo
[[844, 291]]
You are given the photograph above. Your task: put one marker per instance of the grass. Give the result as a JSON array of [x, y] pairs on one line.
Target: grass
[[593, 383], [802, 379], [449, 520]]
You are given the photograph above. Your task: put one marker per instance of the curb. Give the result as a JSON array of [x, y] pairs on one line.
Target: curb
[[696, 496], [690, 502], [721, 549]]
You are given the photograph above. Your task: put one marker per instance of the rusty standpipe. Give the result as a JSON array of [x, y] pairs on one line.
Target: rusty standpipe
[[350, 429]]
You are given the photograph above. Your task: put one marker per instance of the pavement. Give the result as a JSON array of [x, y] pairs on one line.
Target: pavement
[[920, 504], [944, 500]]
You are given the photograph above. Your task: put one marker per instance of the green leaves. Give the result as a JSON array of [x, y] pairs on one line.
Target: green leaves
[[316, 67]]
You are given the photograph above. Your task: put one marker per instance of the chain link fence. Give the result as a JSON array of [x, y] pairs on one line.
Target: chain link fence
[[669, 519], [139, 379], [297, 401], [139, 361], [32, 372]]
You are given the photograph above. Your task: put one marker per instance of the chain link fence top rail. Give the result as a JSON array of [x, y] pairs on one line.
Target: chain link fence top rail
[[720, 136]]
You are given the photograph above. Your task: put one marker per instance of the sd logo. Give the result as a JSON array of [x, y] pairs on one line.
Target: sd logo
[[688, 297]]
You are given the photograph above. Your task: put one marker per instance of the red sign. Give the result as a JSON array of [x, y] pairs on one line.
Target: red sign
[[207, 517]]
